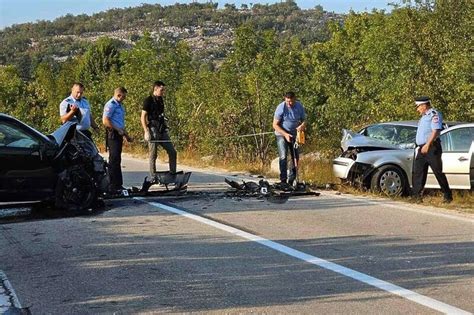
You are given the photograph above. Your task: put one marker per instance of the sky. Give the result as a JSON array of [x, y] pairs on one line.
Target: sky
[[22, 11]]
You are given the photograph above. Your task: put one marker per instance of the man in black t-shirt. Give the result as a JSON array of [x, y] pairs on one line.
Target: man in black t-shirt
[[154, 126]]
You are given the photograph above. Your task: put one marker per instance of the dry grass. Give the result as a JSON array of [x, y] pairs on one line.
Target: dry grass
[[462, 200], [318, 173], [136, 150]]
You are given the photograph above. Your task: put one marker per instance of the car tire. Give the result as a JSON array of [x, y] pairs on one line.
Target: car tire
[[76, 191], [389, 180]]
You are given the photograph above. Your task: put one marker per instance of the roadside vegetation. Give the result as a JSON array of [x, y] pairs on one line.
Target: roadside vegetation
[[360, 69]]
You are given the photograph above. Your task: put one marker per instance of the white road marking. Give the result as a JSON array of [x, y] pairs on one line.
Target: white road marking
[[372, 281], [412, 208], [8, 296]]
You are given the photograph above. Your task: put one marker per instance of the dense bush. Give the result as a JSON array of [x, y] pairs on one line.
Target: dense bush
[[369, 70]]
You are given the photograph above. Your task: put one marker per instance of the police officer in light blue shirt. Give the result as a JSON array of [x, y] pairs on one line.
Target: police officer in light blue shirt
[[113, 119], [429, 150], [76, 108]]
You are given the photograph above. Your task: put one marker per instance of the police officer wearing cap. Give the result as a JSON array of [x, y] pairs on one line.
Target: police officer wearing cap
[[429, 150]]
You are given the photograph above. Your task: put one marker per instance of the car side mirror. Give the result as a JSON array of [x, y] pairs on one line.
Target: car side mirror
[[41, 149]]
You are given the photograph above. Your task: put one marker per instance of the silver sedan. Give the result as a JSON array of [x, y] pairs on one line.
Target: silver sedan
[[380, 157]]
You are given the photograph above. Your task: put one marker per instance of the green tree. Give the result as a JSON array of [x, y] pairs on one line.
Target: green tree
[[11, 90]]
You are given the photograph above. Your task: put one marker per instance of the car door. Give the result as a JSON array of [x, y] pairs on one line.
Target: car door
[[458, 146], [25, 174]]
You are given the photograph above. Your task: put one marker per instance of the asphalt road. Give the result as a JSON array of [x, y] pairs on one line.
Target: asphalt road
[[211, 253]]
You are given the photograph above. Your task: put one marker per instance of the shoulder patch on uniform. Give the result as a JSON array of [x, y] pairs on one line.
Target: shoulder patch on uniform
[[435, 118]]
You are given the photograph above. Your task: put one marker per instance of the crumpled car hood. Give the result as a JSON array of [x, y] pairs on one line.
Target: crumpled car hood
[[65, 132], [352, 139]]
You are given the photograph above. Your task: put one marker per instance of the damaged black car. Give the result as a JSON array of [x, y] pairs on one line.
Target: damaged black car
[[63, 169]]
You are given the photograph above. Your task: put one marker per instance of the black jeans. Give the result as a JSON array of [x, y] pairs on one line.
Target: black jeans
[[114, 143], [420, 170]]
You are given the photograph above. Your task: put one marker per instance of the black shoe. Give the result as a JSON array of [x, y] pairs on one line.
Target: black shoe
[[281, 185], [285, 187]]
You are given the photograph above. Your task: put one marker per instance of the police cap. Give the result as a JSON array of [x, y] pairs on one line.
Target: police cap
[[422, 100]]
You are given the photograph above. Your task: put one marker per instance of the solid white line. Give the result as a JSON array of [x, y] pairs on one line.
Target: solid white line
[[8, 286], [386, 203], [383, 285]]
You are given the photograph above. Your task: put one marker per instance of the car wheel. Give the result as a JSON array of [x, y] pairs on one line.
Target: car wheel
[[75, 190], [389, 180]]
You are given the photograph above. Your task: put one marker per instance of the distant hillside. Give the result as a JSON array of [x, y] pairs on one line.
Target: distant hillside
[[209, 31]]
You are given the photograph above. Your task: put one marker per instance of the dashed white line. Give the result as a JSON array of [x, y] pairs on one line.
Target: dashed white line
[[359, 276]]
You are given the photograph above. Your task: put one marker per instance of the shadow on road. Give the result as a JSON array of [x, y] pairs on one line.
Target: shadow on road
[[146, 269], [136, 260]]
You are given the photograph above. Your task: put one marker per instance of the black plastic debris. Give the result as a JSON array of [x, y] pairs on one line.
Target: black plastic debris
[[178, 180], [278, 193]]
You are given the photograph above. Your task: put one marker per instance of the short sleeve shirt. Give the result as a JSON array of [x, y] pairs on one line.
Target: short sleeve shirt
[[154, 106], [115, 111], [290, 117], [84, 108], [431, 120]]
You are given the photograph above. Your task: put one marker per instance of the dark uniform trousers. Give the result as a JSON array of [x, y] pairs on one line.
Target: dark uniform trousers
[[420, 170], [114, 143]]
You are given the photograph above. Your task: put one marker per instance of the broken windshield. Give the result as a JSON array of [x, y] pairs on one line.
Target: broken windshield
[[394, 134], [357, 140]]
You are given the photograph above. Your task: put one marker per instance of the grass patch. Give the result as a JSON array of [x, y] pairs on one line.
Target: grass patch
[[192, 158], [463, 200], [136, 150], [317, 172]]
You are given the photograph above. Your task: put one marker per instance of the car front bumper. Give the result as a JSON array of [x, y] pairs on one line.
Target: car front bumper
[[341, 167], [350, 170]]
